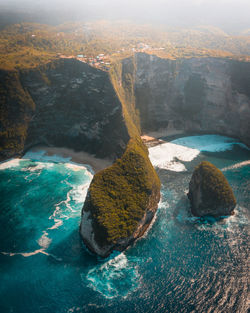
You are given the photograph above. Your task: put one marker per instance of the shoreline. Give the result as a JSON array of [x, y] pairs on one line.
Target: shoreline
[[80, 157], [153, 138]]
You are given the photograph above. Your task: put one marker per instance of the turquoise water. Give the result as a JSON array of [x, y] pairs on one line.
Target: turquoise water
[[183, 263]]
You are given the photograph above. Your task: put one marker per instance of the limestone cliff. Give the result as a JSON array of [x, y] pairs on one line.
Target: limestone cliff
[[66, 103], [206, 95], [210, 192], [121, 202], [72, 104]]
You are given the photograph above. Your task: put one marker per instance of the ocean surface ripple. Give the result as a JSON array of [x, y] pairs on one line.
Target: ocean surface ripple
[[183, 264]]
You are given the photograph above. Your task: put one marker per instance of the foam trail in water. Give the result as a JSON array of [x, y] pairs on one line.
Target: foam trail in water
[[25, 254], [57, 224], [44, 242], [237, 165]]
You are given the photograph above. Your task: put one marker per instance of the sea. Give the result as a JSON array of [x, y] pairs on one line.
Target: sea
[[182, 264]]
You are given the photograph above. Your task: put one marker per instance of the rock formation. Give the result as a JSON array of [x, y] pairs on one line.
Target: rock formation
[[121, 202], [209, 192]]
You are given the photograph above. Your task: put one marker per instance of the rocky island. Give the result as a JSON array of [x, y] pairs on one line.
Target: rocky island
[[121, 202], [210, 193]]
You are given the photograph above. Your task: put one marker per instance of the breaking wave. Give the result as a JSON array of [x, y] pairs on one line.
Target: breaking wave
[[172, 155], [116, 277]]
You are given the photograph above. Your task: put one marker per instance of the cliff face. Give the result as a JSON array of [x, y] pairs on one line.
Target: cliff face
[[122, 199], [210, 192], [208, 95], [74, 105]]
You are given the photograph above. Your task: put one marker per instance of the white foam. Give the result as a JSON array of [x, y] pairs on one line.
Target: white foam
[[78, 193], [41, 155], [116, 277], [237, 165], [10, 163], [57, 224], [165, 155], [170, 155], [26, 254], [78, 167], [38, 167], [44, 241]]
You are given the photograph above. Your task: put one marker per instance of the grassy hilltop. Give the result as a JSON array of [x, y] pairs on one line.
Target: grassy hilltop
[[29, 45]]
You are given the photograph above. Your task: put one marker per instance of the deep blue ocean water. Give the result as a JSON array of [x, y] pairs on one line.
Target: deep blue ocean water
[[183, 263]]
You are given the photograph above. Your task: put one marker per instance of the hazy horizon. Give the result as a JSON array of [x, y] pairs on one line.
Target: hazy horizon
[[229, 15]]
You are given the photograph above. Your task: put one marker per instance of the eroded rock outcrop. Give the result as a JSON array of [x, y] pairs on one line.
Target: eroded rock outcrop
[[121, 202], [209, 192]]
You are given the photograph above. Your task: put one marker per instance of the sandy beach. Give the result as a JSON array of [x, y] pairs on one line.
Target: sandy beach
[[77, 157], [152, 138], [163, 132]]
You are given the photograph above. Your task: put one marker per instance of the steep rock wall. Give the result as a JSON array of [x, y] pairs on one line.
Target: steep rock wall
[[75, 105], [198, 95]]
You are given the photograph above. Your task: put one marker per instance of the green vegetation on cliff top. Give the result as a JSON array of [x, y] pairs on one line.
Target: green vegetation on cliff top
[[119, 195], [28, 45], [216, 190]]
